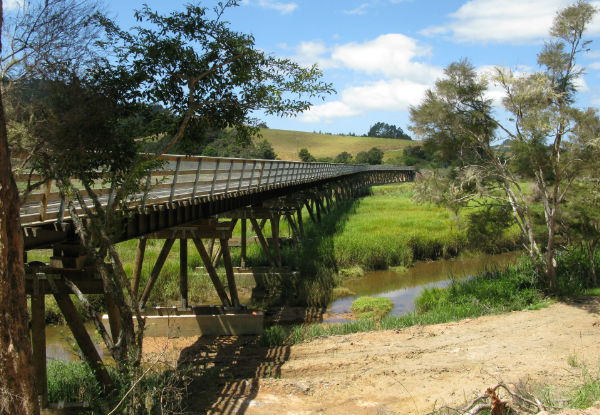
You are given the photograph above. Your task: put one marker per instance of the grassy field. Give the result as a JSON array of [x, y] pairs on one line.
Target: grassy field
[[288, 143]]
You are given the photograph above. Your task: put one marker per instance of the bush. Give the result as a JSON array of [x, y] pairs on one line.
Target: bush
[[73, 382], [273, 336], [372, 307]]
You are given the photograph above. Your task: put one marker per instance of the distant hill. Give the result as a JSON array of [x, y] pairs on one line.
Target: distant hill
[[288, 143]]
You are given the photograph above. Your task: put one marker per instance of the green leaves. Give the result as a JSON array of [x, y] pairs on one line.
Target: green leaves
[[192, 63]]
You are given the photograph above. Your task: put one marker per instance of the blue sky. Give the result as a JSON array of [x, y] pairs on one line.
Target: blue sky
[[381, 55]]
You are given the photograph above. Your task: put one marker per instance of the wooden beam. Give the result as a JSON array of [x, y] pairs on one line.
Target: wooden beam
[[229, 272], [275, 239], [183, 272], [263, 242], [310, 211], [300, 222], [137, 265], [212, 273], [38, 340], [84, 341], [317, 208], [160, 261], [243, 243], [215, 259], [295, 232]]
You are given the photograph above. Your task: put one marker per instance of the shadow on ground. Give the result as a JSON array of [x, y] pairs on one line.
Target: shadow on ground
[[226, 370]]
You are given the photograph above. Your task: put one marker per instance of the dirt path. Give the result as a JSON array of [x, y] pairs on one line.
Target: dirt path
[[403, 371]]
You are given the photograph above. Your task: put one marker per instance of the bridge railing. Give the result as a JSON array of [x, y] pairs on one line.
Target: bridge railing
[[187, 177]]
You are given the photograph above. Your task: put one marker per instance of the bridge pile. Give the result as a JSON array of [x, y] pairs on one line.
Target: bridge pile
[[197, 199]]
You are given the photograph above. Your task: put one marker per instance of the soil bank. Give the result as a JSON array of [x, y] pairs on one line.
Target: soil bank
[[404, 371]]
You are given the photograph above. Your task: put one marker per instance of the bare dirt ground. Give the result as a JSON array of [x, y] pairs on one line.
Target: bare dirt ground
[[400, 371]]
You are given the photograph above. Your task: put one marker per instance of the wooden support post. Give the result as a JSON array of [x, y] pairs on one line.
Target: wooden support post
[[211, 245], [295, 231], [243, 243], [300, 222], [212, 273], [263, 242], [275, 238], [233, 294], [310, 211], [160, 261], [317, 203], [215, 260], [262, 224], [137, 265], [183, 272], [38, 340], [114, 320], [84, 341]]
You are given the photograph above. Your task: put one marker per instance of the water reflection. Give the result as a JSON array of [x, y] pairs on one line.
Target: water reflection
[[403, 287], [60, 344]]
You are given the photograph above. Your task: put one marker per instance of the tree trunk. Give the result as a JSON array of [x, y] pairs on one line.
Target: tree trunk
[[17, 388]]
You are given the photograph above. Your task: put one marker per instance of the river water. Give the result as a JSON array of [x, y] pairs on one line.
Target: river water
[[404, 286], [400, 287]]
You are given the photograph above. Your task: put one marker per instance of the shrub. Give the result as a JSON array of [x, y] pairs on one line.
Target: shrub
[[372, 307], [273, 336]]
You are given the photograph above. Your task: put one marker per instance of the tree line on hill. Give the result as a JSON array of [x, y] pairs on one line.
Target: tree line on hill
[[373, 156], [379, 130]]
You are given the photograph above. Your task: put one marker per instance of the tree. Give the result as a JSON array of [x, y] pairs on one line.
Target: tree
[[305, 156], [383, 130], [207, 75], [373, 156], [40, 37], [172, 81], [546, 129], [344, 157]]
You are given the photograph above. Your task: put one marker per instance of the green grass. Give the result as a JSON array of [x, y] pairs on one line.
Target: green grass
[[490, 293], [72, 382], [371, 307], [288, 143]]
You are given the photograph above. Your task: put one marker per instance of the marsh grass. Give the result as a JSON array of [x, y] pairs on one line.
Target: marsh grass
[[371, 307]]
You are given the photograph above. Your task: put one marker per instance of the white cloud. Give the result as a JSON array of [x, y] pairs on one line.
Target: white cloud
[[12, 4], [513, 21], [594, 65], [392, 95], [362, 9], [283, 8], [394, 57]]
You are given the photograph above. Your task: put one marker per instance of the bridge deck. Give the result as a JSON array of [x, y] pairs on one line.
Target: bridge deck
[[190, 177]]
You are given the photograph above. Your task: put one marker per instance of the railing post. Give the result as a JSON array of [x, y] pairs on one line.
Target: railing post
[[269, 175], [241, 176], [197, 177], [175, 179], [216, 174], [229, 176], [260, 174], [252, 174]]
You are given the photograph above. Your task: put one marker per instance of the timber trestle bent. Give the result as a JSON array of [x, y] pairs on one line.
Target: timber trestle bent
[[204, 214]]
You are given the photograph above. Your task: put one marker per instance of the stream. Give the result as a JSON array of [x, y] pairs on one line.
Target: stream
[[402, 287]]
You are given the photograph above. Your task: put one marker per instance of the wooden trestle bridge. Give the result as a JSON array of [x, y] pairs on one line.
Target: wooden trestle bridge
[[189, 198]]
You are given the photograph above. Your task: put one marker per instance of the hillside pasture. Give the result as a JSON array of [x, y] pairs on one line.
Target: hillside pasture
[[288, 143]]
